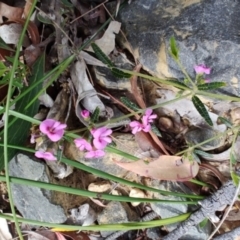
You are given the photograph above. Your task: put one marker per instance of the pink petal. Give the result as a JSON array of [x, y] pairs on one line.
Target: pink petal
[[148, 112], [99, 131], [106, 139], [134, 124], [200, 69], [98, 144], [95, 154], [46, 155], [147, 128], [56, 136], [46, 125], [85, 113], [82, 144], [106, 133]]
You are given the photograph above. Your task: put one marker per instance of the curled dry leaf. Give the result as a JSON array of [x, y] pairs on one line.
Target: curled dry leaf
[[9, 12], [171, 168], [107, 42]]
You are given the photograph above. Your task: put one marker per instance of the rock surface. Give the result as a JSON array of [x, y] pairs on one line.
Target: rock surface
[[32, 202], [206, 32]]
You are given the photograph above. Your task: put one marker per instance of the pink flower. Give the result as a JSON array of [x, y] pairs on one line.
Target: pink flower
[[95, 154], [101, 137], [46, 155], [200, 69], [85, 114], [53, 129], [82, 144], [207, 80], [136, 126], [148, 117]]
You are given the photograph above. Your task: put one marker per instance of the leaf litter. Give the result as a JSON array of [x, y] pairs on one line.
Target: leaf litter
[[76, 90]]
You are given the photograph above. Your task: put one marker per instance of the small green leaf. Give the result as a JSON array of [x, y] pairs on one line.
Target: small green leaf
[[66, 3], [178, 84], [202, 109], [173, 48], [95, 115], [120, 74], [3, 45], [129, 104], [211, 86], [44, 19], [202, 153], [233, 158], [203, 223], [235, 178], [225, 121], [101, 55], [155, 130]]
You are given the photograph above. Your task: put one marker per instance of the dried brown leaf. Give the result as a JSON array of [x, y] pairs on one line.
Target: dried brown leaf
[[171, 168], [9, 12]]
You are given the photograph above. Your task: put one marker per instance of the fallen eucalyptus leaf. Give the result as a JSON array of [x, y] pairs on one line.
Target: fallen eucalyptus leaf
[[171, 168]]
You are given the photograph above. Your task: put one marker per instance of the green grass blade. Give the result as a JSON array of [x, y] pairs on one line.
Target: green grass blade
[[105, 227], [173, 48], [19, 129], [85, 193], [120, 74], [202, 109]]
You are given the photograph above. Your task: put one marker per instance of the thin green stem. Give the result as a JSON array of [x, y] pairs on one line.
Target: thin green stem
[[105, 227], [5, 137]]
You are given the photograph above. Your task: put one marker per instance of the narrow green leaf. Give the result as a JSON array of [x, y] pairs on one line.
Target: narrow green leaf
[[67, 3], [202, 109], [129, 104], [120, 74], [101, 55], [211, 86], [155, 130], [235, 178], [44, 19], [178, 84], [233, 158], [225, 121], [19, 129], [95, 115], [3, 45], [202, 153], [173, 47], [203, 223]]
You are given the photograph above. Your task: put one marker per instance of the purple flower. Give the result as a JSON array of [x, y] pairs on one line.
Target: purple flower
[[85, 114], [200, 69], [95, 154], [46, 155], [53, 129], [136, 126], [101, 137], [82, 144], [148, 117]]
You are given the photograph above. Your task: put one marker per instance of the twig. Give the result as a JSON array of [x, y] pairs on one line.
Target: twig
[[88, 12], [232, 235], [209, 206], [226, 213]]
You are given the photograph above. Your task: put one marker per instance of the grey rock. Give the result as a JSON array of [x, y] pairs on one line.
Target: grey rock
[[32, 202], [206, 32], [107, 79], [170, 210], [153, 233], [165, 210], [113, 213]]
